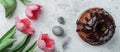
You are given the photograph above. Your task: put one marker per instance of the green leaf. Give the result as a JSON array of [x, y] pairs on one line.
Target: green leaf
[[6, 43], [30, 48], [7, 39], [9, 5], [22, 44], [25, 1], [8, 34]]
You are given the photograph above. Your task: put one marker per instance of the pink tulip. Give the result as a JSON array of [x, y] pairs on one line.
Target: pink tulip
[[32, 11], [23, 25], [45, 43]]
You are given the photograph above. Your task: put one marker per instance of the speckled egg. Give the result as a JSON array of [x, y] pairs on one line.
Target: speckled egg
[[57, 30], [61, 20]]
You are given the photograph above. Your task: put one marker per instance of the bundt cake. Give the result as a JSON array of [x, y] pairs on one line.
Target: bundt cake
[[96, 26]]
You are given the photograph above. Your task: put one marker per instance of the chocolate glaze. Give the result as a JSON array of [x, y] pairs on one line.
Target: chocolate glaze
[[99, 29]]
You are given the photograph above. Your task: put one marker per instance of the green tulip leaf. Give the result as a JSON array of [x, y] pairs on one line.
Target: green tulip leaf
[[30, 48], [25, 1], [7, 40], [6, 43], [9, 5], [19, 47], [9, 34]]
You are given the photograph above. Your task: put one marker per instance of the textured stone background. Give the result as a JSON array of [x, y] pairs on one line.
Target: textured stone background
[[70, 10]]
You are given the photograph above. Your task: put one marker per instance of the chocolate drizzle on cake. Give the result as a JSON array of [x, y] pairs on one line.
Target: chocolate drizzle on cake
[[99, 29]]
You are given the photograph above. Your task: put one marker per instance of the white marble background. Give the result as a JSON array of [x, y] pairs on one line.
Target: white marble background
[[70, 10]]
